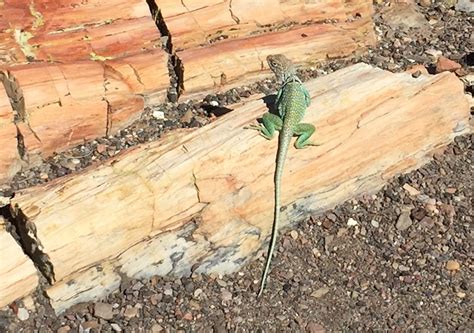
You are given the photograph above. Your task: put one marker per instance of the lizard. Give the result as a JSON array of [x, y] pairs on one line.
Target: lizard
[[291, 103]]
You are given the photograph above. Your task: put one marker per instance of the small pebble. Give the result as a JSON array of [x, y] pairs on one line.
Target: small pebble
[[451, 190], [452, 265], [351, 222], [431, 208], [434, 54], [130, 312], [320, 292], [226, 295], [424, 3], [101, 148], [64, 329], [403, 268], [446, 65], [327, 224], [188, 316], [168, 291], [294, 234], [23, 314], [197, 293], [156, 328], [313, 327], [461, 294], [187, 117], [103, 310], [404, 221], [116, 327], [159, 115], [411, 190], [221, 283]]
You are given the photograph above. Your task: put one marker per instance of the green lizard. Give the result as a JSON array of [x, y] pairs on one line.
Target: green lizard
[[291, 102]]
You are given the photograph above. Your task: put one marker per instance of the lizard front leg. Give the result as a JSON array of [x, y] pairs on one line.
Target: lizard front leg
[[304, 132], [270, 124]]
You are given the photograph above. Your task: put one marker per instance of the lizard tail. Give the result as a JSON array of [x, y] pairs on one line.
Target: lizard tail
[[280, 161]]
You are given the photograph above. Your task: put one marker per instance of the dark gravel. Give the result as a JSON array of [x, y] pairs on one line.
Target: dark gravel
[[399, 260]]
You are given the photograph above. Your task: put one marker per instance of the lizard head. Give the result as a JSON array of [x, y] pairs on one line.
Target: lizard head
[[281, 66]]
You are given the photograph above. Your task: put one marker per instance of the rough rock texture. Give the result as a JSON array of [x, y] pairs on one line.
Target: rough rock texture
[[65, 104], [68, 31], [9, 157], [17, 272], [76, 70], [236, 61], [194, 24], [387, 123], [230, 48]]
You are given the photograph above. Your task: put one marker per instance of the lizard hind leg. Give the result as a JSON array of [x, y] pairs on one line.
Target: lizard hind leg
[[304, 132], [270, 124]]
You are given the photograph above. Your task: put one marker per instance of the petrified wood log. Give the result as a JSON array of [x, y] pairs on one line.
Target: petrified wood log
[[18, 275], [74, 71], [197, 23], [9, 156], [65, 104], [232, 62], [67, 31], [202, 199], [221, 44]]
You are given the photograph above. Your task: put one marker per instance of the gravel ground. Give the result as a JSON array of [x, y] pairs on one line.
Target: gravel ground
[[398, 260]]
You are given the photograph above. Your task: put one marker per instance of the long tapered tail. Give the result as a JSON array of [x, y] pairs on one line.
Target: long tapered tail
[[283, 143]]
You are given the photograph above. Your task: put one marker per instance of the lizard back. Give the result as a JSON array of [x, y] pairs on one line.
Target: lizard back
[[292, 103]]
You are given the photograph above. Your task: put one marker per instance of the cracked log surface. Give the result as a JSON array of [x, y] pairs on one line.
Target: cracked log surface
[[236, 61], [201, 199], [70, 30], [9, 156], [197, 23], [65, 104], [230, 48], [17, 272], [74, 71]]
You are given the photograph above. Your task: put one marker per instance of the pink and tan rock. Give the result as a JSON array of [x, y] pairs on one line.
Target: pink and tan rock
[[9, 156], [404, 14], [65, 104], [78, 30], [417, 68], [212, 21], [233, 62], [446, 65], [17, 272], [198, 199], [84, 70]]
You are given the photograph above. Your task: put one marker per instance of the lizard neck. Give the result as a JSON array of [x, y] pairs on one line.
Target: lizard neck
[[290, 77]]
